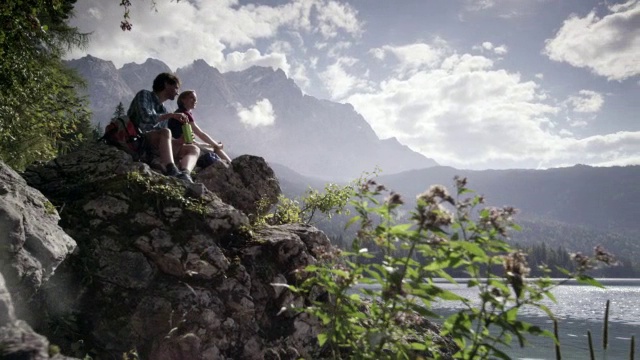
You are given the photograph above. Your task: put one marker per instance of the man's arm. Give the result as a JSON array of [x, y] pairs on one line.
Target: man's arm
[[143, 112]]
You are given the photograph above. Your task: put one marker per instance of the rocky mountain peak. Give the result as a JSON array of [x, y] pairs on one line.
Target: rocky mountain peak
[[140, 76], [261, 111]]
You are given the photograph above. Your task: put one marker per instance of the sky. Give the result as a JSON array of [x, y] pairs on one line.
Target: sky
[[473, 84]]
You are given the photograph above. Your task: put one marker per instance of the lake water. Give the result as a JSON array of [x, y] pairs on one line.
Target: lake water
[[579, 309]]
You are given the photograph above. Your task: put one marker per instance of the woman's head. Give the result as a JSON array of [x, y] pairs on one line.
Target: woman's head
[[187, 99]]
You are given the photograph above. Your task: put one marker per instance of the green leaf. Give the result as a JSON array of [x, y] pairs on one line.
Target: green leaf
[[588, 280], [322, 339]]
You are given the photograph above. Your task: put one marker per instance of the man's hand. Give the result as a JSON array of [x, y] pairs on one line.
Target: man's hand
[[183, 118]]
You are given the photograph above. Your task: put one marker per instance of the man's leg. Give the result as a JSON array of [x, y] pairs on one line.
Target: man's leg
[[188, 155], [161, 140]]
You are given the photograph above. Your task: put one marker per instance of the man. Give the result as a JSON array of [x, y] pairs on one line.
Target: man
[[149, 114]]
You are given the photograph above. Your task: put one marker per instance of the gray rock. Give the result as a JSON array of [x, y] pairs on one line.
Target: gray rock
[[32, 244], [243, 184], [7, 313]]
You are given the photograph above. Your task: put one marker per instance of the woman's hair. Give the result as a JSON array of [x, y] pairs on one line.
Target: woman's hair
[[183, 95], [164, 78]]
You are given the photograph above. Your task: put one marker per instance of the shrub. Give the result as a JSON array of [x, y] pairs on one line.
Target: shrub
[[369, 304]]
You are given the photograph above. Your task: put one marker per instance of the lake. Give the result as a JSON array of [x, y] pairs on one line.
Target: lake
[[579, 309]]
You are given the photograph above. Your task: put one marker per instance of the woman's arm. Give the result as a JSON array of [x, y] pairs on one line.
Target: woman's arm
[[205, 137], [217, 146]]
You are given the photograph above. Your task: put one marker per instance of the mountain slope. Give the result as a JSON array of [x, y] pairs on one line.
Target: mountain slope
[[262, 112]]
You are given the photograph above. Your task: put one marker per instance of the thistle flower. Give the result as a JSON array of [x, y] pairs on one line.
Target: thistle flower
[[394, 199], [582, 261], [604, 256], [436, 194], [516, 270]]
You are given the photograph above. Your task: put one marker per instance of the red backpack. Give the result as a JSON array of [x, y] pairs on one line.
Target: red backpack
[[124, 134]]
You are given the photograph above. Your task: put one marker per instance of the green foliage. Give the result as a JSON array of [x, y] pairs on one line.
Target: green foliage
[[375, 310], [41, 114], [314, 204], [163, 192], [49, 208]]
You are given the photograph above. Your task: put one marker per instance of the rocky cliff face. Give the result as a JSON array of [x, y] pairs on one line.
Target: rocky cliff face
[[314, 137], [161, 267]]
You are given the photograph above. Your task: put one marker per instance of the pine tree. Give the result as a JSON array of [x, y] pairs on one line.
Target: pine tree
[[120, 112]]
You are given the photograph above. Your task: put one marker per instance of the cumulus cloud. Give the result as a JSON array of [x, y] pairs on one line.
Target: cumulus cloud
[[260, 114], [179, 32], [339, 81], [238, 61], [586, 101], [488, 46], [468, 114], [608, 46], [463, 113], [412, 57]]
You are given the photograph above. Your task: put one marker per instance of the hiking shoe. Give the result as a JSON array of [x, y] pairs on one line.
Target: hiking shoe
[[184, 175], [172, 170]]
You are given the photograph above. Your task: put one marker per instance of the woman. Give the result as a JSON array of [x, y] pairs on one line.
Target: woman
[[186, 102]]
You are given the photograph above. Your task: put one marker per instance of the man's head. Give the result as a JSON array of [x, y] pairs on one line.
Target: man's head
[[166, 83]]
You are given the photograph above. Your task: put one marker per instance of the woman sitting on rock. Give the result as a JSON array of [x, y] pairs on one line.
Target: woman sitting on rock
[[186, 102]]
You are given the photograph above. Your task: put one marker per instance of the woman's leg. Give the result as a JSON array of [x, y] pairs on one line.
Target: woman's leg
[[223, 155]]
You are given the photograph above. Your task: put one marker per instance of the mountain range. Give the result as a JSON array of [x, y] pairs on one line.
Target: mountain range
[[311, 141], [259, 111]]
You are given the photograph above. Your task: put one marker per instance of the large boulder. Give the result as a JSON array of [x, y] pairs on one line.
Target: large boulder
[[246, 183]]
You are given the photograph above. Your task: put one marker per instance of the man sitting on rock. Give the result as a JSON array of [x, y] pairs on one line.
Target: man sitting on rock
[[150, 115]]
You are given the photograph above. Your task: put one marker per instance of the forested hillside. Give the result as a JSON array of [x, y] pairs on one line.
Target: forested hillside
[[565, 210]]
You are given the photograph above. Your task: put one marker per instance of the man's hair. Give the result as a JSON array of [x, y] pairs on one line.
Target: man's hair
[[183, 95], [165, 78]]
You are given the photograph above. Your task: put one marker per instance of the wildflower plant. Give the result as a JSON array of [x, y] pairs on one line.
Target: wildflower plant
[[377, 304]]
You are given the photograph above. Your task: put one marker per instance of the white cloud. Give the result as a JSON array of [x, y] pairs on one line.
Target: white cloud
[[467, 114], [501, 50], [300, 76], [487, 46], [412, 57], [238, 61], [463, 114], [477, 5], [334, 16], [338, 81], [179, 32], [260, 114], [586, 101], [609, 46]]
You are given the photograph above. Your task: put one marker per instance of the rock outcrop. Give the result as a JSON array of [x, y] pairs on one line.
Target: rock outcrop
[[167, 269], [150, 267]]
